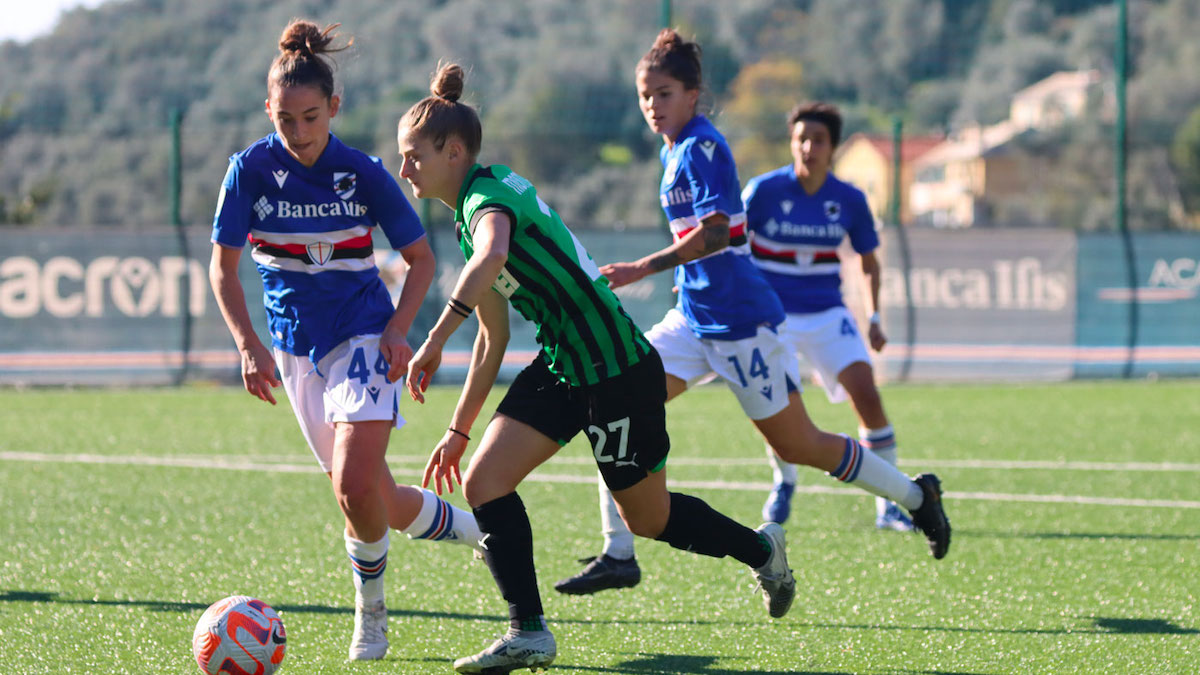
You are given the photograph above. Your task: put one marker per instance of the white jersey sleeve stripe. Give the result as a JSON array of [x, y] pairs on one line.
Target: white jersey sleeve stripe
[[294, 265], [332, 237]]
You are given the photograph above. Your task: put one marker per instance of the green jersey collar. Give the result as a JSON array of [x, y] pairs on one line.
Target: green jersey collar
[[475, 172]]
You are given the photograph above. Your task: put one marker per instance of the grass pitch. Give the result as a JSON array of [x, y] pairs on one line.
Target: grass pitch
[[1075, 510]]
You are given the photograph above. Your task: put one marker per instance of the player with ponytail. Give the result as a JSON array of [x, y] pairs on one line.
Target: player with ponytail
[[728, 317], [307, 204], [595, 372]]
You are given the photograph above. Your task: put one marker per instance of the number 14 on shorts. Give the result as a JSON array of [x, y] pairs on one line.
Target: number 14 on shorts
[[758, 367]]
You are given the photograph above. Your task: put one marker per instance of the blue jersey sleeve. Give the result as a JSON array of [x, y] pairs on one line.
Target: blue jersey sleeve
[[863, 237], [231, 223], [392, 212], [712, 177]]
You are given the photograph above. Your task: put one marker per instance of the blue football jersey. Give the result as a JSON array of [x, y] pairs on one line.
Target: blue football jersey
[[723, 295], [794, 236], [309, 230]]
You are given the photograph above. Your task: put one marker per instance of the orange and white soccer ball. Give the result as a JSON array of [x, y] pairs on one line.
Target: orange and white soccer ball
[[239, 635]]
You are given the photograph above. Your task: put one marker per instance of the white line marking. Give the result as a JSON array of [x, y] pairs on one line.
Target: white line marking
[[222, 463], [1166, 467], [915, 463]]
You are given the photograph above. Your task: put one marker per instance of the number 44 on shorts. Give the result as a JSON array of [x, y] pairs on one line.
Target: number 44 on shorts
[[358, 366]]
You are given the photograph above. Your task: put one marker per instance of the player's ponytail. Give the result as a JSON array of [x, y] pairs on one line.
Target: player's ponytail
[[674, 56], [441, 114], [301, 60]]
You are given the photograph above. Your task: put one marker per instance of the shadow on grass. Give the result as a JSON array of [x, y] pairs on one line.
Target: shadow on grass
[[940, 671], [667, 664], [394, 612], [1103, 625], [165, 606], [671, 664], [1140, 626], [1076, 535]]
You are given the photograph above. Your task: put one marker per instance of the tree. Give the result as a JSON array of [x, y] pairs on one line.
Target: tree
[[1185, 157], [755, 118]]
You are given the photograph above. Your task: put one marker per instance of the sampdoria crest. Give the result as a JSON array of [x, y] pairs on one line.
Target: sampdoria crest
[[344, 183]]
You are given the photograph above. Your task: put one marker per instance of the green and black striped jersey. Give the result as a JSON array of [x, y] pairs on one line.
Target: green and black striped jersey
[[585, 334]]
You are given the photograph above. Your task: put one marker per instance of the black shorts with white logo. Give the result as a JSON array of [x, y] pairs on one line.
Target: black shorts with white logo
[[624, 416]]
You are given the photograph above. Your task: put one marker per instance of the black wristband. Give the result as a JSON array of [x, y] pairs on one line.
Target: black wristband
[[460, 308], [456, 431]]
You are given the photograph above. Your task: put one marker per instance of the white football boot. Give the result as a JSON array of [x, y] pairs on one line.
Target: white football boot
[[532, 649], [775, 577], [370, 631]]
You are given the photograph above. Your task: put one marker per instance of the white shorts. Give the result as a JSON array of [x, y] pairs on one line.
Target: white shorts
[[348, 385], [830, 341], [756, 369]]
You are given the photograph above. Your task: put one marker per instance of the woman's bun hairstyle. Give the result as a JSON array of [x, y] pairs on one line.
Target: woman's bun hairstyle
[[441, 115], [447, 82], [301, 60], [674, 56], [305, 38]]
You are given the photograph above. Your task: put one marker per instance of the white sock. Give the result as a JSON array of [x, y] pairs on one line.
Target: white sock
[[439, 520], [882, 442], [781, 471], [368, 560], [618, 540], [869, 471]]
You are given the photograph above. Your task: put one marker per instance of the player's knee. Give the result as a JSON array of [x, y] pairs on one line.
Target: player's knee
[[648, 525], [471, 492], [477, 490], [644, 530], [355, 497], [354, 488]]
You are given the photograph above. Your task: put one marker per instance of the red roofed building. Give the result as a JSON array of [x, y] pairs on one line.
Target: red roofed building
[[866, 160]]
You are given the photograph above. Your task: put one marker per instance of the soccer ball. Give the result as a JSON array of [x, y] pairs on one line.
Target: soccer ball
[[239, 635]]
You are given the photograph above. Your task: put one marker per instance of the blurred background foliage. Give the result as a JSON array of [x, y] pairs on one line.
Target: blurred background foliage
[[84, 111]]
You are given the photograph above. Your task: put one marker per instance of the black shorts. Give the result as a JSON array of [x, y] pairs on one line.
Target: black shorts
[[624, 416]]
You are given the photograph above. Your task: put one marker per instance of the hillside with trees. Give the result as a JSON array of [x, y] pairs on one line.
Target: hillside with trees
[[84, 111]]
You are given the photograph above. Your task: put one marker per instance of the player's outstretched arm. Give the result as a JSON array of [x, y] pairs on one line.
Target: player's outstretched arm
[[486, 358], [710, 237], [258, 366], [491, 237]]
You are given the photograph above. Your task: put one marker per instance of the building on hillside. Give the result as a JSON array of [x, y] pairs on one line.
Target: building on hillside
[[867, 161], [1050, 102], [954, 180], [964, 180]]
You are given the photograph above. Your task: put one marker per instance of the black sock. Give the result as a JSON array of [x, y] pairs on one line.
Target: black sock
[[695, 526], [508, 552]]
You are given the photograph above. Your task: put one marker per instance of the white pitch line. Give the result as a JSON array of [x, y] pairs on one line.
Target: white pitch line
[[916, 463], [221, 463], [1165, 467], [188, 462]]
